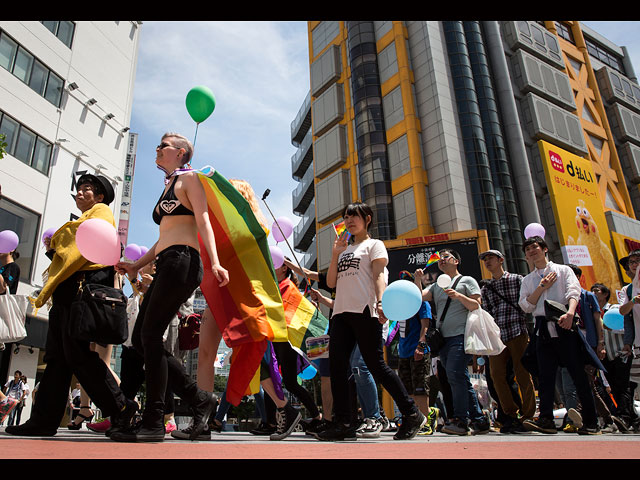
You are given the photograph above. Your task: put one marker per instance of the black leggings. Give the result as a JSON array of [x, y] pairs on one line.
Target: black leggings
[[288, 361], [178, 274], [347, 329]]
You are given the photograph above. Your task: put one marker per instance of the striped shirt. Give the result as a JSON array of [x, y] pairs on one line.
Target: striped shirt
[[512, 321]]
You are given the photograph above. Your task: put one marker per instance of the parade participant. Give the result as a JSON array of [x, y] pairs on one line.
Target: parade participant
[[181, 213], [64, 355], [9, 273], [556, 343], [357, 273]]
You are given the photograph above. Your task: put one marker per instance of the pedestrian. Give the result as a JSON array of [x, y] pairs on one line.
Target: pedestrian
[[555, 342], [452, 307], [500, 298], [356, 272], [65, 355], [9, 273], [15, 389], [27, 392], [182, 214]]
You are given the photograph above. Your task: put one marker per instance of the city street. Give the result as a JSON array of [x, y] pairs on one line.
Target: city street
[[84, 444]]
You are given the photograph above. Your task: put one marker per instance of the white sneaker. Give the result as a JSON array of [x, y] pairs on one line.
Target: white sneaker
[[575, 417], [370, 428]]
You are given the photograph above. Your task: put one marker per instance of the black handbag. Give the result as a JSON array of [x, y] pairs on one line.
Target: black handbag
[[99, 314], [433, 336]]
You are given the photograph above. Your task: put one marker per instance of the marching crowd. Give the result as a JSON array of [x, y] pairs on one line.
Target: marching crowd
[[552, 329]]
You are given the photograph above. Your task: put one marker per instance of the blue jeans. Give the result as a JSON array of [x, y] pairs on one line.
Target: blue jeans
[[365, 385], [455, 361]]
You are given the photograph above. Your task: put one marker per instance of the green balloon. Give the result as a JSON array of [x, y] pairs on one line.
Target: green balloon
[[200, 103]]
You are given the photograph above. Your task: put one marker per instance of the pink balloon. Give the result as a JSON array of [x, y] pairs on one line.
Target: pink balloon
[[8, 241], [277, 256], [132, 252], [98, 241], [285, 225], [533, 230]]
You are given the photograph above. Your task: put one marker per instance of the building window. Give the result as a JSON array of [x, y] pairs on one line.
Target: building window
[[25, 224], [17, 60], [605, 56], [62, 30], [25, 145], [565, 32]]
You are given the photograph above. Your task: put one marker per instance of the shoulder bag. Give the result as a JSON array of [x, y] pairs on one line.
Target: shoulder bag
[[433, 337], [98, 314], [189, 331]]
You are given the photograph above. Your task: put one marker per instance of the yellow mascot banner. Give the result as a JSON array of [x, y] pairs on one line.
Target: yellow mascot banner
[[582, 227]]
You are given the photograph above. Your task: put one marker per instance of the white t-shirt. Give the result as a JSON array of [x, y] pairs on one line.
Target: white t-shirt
[[355, 286], [14, 390]]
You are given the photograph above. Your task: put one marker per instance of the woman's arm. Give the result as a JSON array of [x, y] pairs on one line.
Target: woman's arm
[[377, 267]]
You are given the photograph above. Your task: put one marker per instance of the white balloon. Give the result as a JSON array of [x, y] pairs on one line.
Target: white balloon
[[444, 281]]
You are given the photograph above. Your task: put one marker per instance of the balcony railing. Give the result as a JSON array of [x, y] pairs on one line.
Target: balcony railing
[[302, 123]]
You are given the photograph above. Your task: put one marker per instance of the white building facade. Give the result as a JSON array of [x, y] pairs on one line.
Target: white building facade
[[66, 94]]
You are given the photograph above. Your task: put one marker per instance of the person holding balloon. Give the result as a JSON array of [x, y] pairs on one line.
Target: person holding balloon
[[182, 215], [356, 272], [66, 356]]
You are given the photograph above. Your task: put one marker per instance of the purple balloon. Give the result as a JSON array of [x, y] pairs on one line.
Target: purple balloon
[[143, 250], [8, 241], [132, 252], [277, 256], [285, 225], [533, 230], [48, 233]]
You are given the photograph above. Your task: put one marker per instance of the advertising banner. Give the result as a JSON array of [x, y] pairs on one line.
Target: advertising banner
[[579, 213]]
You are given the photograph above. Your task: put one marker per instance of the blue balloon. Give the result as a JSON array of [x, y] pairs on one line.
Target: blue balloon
[[613, 319], [308, 373], [401, 300]]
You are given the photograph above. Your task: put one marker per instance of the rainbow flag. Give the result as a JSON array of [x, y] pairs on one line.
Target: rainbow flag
[[433, 259], [304, 320], [248, 310], [340, 229]]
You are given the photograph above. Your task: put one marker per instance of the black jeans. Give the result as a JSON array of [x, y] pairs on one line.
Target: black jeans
[[178, 274], [347, 329], [288, 361], [618, 377], [565, 350], [65, 356]]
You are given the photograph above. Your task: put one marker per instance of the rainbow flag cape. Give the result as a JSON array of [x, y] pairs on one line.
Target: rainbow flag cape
[[304, 320], [433, 259], [248, 310]]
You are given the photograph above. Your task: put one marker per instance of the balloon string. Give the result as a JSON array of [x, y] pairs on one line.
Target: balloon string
[[196, 134]]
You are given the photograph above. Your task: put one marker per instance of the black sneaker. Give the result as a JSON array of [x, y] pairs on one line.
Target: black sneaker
[[186, 433], [29, 429], [263, 429], [410, 426], [589, 430], [542, 425], [517, 427], [202, 410], [507, 426], [314, 426], [456, 427], [287, 419], [479, 427], [122, 420], [139, 434], [337, 432]]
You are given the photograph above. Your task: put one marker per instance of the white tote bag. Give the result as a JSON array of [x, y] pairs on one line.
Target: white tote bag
[[482, 334], [13, 313]]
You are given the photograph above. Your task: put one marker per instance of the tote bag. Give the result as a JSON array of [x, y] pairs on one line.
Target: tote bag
[[13, 312]]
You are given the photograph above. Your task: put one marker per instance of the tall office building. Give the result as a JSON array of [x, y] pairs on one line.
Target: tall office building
[[463, 133], [66, 93]]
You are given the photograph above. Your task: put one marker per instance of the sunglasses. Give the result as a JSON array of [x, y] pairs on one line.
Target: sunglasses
[[164, 145]]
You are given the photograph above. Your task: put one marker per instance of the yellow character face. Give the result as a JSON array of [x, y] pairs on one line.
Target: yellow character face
[[584, 221]]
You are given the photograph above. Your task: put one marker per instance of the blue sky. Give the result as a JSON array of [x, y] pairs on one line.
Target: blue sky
[[259, 74]]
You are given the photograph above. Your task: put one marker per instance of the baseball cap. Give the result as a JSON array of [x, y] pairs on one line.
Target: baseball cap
[[497, 253]]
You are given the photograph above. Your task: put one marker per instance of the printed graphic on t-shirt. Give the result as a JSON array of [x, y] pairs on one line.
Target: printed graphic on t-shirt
[[348, 261]]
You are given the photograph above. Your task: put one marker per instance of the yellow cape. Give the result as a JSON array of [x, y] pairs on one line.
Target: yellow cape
[[67, 259]]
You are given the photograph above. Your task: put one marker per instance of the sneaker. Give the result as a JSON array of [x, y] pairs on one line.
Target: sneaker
[[100, 427], [507, 426], [589, 430], [337, 432], [620, 423], [187, 433], [29, 429], [386, 424], [203, 409], [609, 428], [570, 428], [411, 425], [426, 430], [432, 418], [479, 427], [575, 417], [456, 427], [314, 426], [214, 426], [123, 419], [287, 419], [6, 406], [542, 425], [170, 426], [139, 434], [370, 428], [263, 429], [517, 427]]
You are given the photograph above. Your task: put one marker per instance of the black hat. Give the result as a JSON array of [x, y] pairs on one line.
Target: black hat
[[624, 261], [103, 182]]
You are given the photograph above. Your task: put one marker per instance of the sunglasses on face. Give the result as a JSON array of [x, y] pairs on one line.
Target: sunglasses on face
[[164, 145]]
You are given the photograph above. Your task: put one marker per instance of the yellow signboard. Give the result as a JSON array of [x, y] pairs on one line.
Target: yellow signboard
[[582, 227]]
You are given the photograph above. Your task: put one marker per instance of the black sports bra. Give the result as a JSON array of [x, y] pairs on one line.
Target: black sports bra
[[168, 204]]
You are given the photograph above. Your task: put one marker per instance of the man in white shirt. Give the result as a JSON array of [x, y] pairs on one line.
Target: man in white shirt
[[555, 344]]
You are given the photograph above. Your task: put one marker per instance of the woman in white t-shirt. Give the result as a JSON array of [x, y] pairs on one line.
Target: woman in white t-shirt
[[357, 273]]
